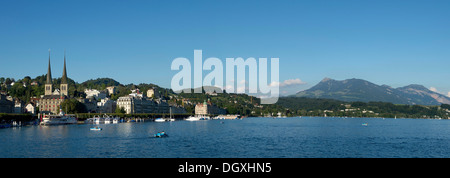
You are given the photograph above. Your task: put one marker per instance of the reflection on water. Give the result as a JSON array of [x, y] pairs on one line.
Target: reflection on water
[[251, 137]]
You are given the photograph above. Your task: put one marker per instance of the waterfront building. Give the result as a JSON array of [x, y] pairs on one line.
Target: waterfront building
[[136, 103], [208, 109], [51, 101]]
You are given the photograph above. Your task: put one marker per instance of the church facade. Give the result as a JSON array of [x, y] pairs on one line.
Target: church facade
[[51, 101]]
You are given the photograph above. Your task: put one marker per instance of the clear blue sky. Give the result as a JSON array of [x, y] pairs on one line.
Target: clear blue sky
[[393, 42]]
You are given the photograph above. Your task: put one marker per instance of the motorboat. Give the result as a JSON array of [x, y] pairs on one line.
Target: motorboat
[[161, 134], [160, 120], [193, 118], [96, 128]]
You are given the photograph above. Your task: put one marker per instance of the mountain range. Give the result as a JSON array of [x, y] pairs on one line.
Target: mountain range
[[365, 91]]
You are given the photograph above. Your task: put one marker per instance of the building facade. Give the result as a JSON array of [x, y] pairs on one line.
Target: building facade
[[208, 109], [51, 101], [136, 103]]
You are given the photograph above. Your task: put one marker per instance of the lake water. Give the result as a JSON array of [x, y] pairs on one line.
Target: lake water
[[250, 137]]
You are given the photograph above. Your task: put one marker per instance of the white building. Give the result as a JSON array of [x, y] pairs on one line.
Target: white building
[[136, 94], [208, 109], [133, 105], [93, 93], [30, 108]]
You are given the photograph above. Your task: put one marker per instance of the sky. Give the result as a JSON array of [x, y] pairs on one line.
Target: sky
[[392, 42]]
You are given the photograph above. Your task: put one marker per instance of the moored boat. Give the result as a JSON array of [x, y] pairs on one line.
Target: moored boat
[[192, 118], [160, 120]]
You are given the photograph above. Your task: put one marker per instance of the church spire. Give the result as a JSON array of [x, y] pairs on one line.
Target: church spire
[[48, 83], [64, 76], [49, 72]]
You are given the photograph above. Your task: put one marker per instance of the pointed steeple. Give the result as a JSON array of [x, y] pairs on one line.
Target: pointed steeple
[[49, 72], [64, 76], [48, 83]]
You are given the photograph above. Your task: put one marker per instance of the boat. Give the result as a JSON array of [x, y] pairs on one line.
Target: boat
[[193, 118], [227, 116], [60, 119], [365, 124], [97, 119], [96, 128], [105, 119], [116, 120], [161, 134], [160, 120]]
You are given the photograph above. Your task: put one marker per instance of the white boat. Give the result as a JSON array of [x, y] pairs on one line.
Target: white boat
[[193, 118], [160, 120], [107, 120], [116, 120], [59, 119], [97, 119]]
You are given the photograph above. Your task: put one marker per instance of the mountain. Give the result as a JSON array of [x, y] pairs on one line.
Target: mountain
[[365, 91]]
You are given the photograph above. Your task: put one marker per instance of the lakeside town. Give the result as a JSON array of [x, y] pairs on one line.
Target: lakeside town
[[32, 99], [154, 101]]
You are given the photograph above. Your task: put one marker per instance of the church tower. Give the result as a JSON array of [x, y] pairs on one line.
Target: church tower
[[48, 83], [64, 87]]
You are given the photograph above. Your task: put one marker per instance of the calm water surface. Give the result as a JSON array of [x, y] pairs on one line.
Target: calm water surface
[[250, 137]]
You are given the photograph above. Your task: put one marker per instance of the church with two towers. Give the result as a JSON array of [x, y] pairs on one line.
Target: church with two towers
[[51, 101]]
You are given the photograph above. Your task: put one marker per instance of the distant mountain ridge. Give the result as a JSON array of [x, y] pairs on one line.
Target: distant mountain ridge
[[365, 91]]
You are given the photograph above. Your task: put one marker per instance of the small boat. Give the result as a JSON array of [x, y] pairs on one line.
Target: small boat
[[160, 120], [365, 124], [161, 134], [96, 128]]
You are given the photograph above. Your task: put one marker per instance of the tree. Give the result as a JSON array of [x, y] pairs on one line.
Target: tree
[[120, 110], [73, 106], [8, 81]]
